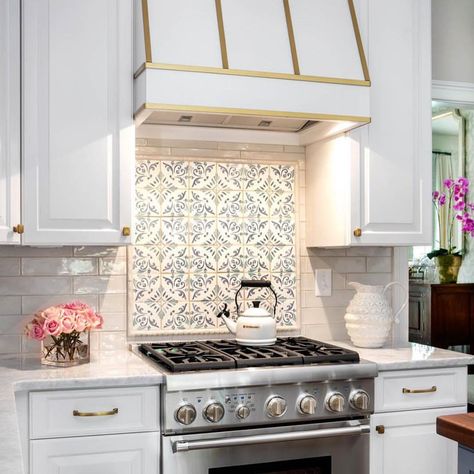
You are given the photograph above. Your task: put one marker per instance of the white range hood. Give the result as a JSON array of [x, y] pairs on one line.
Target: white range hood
[[280, 65]]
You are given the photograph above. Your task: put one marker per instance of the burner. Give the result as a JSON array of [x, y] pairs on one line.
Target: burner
[[227, 354], [186, 356]]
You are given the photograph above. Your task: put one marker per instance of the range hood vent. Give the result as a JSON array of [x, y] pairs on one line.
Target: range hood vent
[[280, 65]]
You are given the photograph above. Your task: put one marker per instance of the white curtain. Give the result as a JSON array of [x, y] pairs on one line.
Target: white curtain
[[443, 168]]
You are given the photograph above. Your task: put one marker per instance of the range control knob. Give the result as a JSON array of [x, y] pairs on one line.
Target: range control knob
[[185, 414], [307, 405], [335, 402], [360, 400], [213, 412], [276, 407], [242, 411]]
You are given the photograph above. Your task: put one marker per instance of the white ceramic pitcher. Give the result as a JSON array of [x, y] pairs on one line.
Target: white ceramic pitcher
[[369, 316]]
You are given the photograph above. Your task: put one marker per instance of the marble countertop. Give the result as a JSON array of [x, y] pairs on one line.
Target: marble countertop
[[410, 356], [22, 374]]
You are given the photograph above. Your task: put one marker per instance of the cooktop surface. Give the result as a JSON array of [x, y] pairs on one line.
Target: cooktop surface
[[227, 354]]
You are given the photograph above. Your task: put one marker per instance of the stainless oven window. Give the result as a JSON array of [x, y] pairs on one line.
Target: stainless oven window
[[320, 465]]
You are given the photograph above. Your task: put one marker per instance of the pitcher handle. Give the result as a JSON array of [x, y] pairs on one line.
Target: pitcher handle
[[403, 306]]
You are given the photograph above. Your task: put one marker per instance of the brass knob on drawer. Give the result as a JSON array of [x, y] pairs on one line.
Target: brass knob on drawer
[[380, 429], [126, 231], [357, 232], [19, 229]]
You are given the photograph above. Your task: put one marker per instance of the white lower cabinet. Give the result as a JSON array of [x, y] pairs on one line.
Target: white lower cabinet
[[136, 453], [406, 442]]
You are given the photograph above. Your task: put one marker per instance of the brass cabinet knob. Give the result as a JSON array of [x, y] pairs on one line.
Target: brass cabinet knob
[[357, 232], [126, 231], [380, 429], [19, 229]]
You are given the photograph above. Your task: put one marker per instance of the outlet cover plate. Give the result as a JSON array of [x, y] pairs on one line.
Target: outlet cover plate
[[323, 282]]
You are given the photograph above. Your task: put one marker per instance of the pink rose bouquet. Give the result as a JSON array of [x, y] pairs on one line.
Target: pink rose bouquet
[[64, 325]]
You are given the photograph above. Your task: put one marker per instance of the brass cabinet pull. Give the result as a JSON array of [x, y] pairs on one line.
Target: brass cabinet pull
[[357, 232], [420, 390], [19, 229], [380, 429], [114, 411], [126, 231]]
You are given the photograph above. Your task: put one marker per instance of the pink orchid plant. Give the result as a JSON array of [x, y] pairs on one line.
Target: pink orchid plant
[[64, 323], [453, 197]]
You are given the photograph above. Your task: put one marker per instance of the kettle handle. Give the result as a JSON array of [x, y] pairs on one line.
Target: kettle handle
[[256, 284], [402, 307]]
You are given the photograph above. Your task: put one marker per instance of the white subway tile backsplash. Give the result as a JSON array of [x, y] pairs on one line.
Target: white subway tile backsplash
[[113, 266], [35, 285], [32, 304], [112, 303], [326, 332], [99, 285], [369, 252], [114, 322], [16, 251], [379, 264], [91, 251], [59, 266], [339, 298], [10, 344], [10, 305], [9, 266], [369, 278], [13, 324], [323, 315]]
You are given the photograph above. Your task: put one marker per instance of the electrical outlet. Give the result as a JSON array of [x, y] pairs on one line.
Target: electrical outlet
[[323, 282]]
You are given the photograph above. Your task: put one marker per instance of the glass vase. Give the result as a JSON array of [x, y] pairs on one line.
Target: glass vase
[[448, 267], [66, 350]]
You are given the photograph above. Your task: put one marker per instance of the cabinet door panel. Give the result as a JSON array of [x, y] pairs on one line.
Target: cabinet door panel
[[410, 444], [113, 454], [9, 120], [77, 121]]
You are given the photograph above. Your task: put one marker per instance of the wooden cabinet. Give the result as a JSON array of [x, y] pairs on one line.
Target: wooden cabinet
[[9, 120], [114, 454], [403, 442], [78, 130], [372, 186], [442, 315]]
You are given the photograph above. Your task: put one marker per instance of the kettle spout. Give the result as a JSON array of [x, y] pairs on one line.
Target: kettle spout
[[225, 315]]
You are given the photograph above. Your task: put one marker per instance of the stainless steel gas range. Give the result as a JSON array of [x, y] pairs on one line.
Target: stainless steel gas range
[[298, 406]]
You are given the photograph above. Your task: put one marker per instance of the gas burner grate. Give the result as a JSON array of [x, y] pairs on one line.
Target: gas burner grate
[[186, 356], [227, 354], [256, 356]]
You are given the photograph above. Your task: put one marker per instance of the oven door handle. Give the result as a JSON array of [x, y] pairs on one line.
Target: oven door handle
[[182, 446]]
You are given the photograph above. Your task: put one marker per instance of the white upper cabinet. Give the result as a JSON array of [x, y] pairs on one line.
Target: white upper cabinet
[[78, 131], [373, 186], [9, 120]]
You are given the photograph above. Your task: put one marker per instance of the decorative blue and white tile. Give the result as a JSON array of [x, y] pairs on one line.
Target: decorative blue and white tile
[[203, 175], [286, 313], [174, 259], [227, 285], [146, 317], [174, 174], [203, 315], [202, 287], [256, 205], [282, 178], [256, 177], [229, 177], [148, 174], [257, 259], [256, 232], [203, 203], [175, 287], [283, 259], [175, 316], [284, 285], [145, 259], [147, 231], [282, 232], [203, 231], [174, 230], [147, 287], [203, 259], [282, 205], [147, 202], [229, 231], [229, 204], [174, 203], [230, 259]]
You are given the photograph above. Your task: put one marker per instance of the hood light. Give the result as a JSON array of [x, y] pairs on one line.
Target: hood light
[[185, 118], [265, 123]]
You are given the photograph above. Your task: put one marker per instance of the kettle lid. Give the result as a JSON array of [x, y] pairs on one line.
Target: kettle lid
[[256, 310]]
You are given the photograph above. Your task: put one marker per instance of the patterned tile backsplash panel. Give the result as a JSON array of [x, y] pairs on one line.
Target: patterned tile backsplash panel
[[201, 227]]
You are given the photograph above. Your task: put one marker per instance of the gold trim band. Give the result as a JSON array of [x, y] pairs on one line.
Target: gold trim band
[[263, 74], [146, 31], [251, 112], [220, 25], [360, 45], [291, 37]]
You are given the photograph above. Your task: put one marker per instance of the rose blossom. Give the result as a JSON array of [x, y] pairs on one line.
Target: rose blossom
[[52, 327], [35, 331], [75, 306], [68, 324], [81, 322]]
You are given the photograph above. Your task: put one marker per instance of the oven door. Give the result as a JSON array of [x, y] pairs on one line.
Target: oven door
[[323, 448]]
